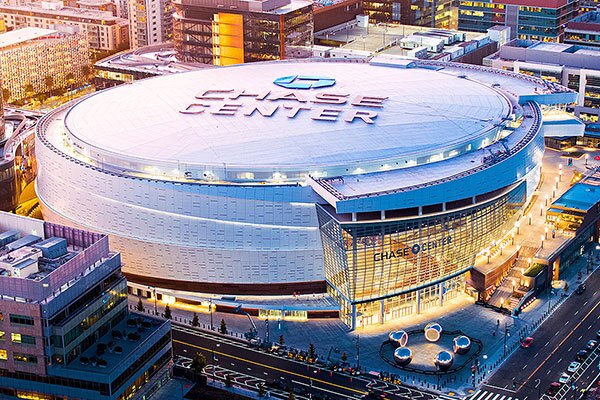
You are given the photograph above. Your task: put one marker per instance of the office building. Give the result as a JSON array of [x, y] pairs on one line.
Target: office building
[[105, 33], [227, 32], [435, 14], [65, 328], [576, 67], [543, 20], [584, 30], [42, 62], [150, 22]]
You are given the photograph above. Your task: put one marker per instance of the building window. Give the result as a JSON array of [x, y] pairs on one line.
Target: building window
[[26, 358], [1, 316], [2, 335], [3, 356], [24, 339], [21, 319]]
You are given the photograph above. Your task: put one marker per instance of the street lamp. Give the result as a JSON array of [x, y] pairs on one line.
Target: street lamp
[[211, 313], [518, 226], [587, 156], [541, 210], [154, 294], [546, 232], [560, 175], [542, 239], [529, 218], [547, 200], [556, 182]]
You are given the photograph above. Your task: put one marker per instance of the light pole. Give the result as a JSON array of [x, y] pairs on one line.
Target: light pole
[[154, 294], [542, 239], [211, 313], [529, 218], [357, 339]]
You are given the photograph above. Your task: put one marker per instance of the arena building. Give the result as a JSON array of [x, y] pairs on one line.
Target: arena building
[[378, 181]]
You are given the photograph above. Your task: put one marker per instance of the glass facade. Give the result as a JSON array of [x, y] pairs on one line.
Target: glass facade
[[388, 267], [202, 34]]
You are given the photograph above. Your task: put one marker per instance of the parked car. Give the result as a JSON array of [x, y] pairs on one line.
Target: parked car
[[582, 355], [574, 366], [527, 342], [564, 378], [580, 288], [553, 389], [591, 345]]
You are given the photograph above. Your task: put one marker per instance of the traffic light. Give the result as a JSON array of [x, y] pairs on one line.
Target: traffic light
[[514, 384]]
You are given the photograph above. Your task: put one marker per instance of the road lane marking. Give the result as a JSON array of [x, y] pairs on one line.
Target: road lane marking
[[536, 354], [270, 367], [560, 344], [571, 348], [576, 312], [317, 387]]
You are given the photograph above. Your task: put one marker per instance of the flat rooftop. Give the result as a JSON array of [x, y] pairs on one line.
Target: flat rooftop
[[581, 196], [423, 111], [71, 12], [158, 59], [554, 47], [23, 35]]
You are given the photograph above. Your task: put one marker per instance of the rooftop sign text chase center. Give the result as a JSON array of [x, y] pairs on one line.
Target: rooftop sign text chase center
[[324, 106]]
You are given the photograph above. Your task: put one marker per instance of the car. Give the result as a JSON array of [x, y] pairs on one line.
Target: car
[[580, 288], [553, 389], [591, 345], [574, 366], [582, 355], [564, 378], [598, 334], [527, 342]]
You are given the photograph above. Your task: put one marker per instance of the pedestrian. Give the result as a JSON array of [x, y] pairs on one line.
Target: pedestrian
[[498, 322]]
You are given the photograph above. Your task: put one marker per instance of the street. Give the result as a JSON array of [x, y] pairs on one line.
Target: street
[[555, 345], [250, 367]]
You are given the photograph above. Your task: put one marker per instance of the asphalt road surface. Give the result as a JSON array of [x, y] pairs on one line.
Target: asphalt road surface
[[555, 345], [249, 367]]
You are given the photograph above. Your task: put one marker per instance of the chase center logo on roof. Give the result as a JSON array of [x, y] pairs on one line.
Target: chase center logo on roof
[[304, 82]]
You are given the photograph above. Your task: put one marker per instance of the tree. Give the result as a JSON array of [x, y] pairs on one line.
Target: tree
[[566, 288], [49, 82], [6, 94], [344, 356], [291, 395], [311, 351], [28, 89], [281, 340], [195, 321], [228, 381], [168, 312], [223, 328], [85, 70], [198, 363], [140, 305]]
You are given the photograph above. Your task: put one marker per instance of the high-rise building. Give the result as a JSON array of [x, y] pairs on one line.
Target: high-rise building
[[226, 32], [37, 61], [150, 22], [65, 329], [543, 20], [433, 13], [105, 33]]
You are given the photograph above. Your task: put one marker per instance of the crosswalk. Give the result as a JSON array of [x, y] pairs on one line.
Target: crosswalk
[[485, 395]]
